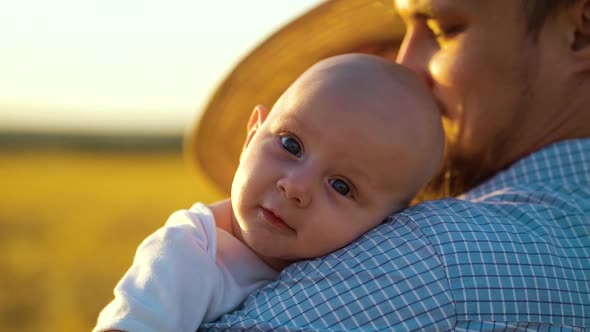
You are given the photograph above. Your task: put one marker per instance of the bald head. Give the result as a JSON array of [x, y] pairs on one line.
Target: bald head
[[381, 98]]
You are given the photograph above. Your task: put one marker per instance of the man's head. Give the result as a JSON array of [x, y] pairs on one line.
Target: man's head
[[511, 76], [352, 140]]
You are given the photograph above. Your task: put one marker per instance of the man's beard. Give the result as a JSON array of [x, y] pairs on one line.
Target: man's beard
[[457, 175], [460, 173]]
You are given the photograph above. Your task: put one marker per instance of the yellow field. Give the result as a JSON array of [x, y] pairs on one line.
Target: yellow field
[[69, 226]]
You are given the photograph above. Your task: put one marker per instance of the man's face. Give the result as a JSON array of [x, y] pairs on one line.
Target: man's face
[[483, 69]]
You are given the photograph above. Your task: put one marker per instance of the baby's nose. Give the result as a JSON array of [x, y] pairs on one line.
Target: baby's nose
[[296, 189]]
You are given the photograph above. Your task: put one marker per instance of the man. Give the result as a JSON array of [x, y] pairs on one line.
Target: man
[[513, 251], [512, 78]]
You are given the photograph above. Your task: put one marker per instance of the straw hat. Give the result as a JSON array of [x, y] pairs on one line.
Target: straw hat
[[213, 144]]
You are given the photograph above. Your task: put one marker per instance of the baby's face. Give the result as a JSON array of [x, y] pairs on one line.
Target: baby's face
[[312, 180], [320, 171]]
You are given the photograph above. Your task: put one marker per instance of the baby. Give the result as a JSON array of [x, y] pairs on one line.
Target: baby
[[350, 142]]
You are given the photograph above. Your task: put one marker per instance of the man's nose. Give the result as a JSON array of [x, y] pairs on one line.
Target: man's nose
[[416, 52], [297, 187]]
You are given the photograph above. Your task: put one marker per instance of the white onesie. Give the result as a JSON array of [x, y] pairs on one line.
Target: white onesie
[[186, 273]]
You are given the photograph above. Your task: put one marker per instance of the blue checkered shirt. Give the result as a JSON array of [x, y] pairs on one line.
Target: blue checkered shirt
[[512, 254]]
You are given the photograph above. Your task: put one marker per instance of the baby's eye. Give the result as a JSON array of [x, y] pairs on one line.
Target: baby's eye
[[340, 186], [291, 145]]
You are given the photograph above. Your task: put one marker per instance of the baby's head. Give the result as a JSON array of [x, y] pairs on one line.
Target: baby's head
[[350, 142]]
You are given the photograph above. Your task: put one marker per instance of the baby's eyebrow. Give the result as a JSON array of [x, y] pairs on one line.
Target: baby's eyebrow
[[284, 121]]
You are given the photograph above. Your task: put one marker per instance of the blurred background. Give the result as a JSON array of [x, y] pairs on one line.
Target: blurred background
[[94, 99]]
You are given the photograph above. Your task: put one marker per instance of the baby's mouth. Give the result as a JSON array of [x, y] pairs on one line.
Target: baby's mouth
[[274, 219]]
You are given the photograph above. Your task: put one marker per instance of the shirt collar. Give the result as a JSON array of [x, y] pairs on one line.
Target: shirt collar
[[562, 162]]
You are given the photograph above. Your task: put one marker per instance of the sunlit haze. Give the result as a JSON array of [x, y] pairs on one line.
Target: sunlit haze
[[123, 66]]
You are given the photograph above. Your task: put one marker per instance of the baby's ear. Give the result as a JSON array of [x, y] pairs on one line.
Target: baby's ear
[[257, 118]]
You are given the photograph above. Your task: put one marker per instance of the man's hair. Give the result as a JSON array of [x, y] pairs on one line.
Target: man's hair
[[537, 11]]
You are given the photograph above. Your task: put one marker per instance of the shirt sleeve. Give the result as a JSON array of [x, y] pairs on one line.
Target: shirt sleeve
[[172, 281], [389, 279]]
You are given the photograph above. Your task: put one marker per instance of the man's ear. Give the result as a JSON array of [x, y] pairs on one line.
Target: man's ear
[[257, 118], [579, 13]]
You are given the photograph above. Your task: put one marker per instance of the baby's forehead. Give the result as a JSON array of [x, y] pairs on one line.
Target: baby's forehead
[[364, 91], [372, 86], [364, 69]]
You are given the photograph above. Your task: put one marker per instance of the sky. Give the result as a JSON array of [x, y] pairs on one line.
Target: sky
[[123, 66]]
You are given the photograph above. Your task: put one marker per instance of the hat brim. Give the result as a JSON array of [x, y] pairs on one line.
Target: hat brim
[[214, 143]]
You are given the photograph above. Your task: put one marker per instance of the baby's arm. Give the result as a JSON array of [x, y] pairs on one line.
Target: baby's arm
[[172, 282]]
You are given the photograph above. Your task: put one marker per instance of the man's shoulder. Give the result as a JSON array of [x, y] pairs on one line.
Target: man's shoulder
[[516, 212], [514, 205], [518, 241]]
